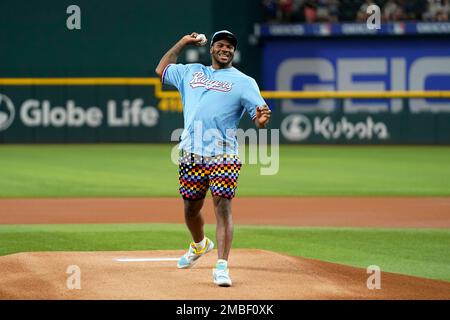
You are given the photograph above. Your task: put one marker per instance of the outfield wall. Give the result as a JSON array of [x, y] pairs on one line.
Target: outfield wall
[[119, 113], [126, 41], [116, 39]]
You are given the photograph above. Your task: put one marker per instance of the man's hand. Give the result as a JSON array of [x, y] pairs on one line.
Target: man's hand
[[262, 116], [191, 39]]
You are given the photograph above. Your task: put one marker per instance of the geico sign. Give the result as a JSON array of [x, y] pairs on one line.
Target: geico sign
[[34, 113], [297, 127], [363, 74]]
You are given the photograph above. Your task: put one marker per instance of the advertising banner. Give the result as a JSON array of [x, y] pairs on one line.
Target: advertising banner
[[85, 114], [349, 64]]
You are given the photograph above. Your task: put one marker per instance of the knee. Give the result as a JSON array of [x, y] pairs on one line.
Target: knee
[[223, 206], [191, 213], [192, 209]]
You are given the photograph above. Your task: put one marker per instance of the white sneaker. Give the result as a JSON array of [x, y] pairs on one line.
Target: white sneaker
[[221, 275]]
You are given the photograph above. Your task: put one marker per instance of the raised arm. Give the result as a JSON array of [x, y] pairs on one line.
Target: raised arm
[[171, 56]]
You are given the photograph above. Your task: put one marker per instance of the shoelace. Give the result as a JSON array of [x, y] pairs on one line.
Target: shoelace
[[221, 273], [192, 253]]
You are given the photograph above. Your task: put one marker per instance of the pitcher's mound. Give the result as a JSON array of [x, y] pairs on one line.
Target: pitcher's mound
[[256, 274]]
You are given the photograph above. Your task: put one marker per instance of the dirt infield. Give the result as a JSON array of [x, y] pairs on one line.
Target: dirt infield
[[403, 212], [256, 274]]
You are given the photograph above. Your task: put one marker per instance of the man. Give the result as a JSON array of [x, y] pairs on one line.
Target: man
[[214, 99]]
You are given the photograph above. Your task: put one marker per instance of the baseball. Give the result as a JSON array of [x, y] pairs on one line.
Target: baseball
[[203, 37]]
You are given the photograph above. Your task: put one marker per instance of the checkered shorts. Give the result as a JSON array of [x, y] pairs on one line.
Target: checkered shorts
[[218, 173]]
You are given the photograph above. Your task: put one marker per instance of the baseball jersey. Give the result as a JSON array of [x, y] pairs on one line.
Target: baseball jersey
[[213, 103]]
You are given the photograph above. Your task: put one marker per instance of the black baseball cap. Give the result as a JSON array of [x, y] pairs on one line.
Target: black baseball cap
[[224, 34]]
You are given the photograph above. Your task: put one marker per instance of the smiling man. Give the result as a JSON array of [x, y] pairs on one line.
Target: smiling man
[[214, 100]]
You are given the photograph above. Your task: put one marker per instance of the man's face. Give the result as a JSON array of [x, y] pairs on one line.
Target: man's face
[[222, 52]]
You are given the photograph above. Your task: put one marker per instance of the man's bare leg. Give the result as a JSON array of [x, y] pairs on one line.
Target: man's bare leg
[[194, 219], [224, 226]]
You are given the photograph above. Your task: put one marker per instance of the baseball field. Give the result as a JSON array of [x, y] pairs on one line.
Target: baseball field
[[311, 230]]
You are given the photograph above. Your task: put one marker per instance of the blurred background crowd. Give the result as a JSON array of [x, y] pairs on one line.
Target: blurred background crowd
[[310, 11]]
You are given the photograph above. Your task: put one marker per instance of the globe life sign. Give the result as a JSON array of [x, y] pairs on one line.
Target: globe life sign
[[37, 113]]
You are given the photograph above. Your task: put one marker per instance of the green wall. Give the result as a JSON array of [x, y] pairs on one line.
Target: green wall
[[117, 38]]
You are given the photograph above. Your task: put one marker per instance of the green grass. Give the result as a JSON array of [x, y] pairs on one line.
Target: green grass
[[146, 170], [418, 252]]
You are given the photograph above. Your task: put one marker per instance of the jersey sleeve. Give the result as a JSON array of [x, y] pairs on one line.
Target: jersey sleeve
[[173, 74], [251, 98]]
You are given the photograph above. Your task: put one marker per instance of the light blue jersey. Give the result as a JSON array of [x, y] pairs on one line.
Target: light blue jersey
[[213, 103]]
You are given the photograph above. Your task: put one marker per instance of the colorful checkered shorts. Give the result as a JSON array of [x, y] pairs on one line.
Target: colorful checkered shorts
[[218, 173]]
